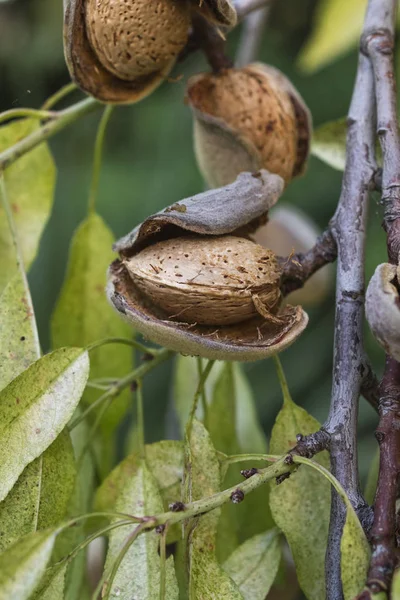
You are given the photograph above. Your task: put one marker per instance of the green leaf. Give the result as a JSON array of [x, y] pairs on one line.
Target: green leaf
[[329, 143], [396, 585], [355, 552], [337, 29], [372, 479], [254, 565], [300, 505], [137, 494], [207, 580], [35, 407], [41, 496], [52, 585], [30, 185], [23, 565], [19, 344], [83, 315]]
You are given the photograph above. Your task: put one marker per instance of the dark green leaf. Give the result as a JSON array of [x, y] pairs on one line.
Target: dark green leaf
[[137, 494], [207, 580], [83, 316], [23, 564], [300, 505], [35, 407], [254, 565], [30, 188]]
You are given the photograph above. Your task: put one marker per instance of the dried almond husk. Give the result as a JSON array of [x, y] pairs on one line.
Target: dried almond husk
[[221, 218], [120, 51], [247, 119], [382, 308]]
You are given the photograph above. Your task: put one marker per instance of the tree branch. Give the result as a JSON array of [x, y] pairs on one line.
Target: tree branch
[[348, 229], [378, 44]]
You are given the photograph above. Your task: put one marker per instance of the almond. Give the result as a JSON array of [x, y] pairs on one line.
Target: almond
[[208, 280]]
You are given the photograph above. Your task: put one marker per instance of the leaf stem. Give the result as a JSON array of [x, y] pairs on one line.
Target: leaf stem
[[282, 380], [116, 389], [47, 130], [203, 378], [128, 342], [59, 95], [98, 155], [21, 113], [204, 404], [140, 419]]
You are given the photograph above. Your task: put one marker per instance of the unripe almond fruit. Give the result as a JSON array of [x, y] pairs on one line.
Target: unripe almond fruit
[[246, 119], [208, 280], [136, 38]]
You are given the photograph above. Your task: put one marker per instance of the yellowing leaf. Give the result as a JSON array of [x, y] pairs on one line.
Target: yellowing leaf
[[83, 315], [23, 565], [355, 552], [35, 407], [137, 494], [254, 565], [30, 188], [329, 144], [337, 29], [207, 579], [300, 505]]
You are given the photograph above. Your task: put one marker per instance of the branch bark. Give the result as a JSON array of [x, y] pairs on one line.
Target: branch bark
[[378, 44], [348, 228]]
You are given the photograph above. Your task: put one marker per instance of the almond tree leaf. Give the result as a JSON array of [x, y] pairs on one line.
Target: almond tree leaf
[[19, 344], [83, 316], [355, 553], [138, 495], [35, 407], [396, 585], [249, 431], [325, 45], [254, 565], [300, 505], [207, 579], [52, 584], [30, 185], [329, 143], [41, 496], [23, 565]]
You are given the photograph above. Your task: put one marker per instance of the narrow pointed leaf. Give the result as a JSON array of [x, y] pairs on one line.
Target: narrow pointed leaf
[[254, 565], [35, 407], [325, 45], [355, 551], [23, 565], [41, 496], [30, 185], [19, 344], [52, 585], [207, 579], [300, 505], [83, 315], [137, 494]]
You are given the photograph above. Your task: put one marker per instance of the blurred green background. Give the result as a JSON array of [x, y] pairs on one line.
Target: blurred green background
[[149, 163]]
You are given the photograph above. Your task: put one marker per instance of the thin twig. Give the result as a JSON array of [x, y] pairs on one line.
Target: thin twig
[[98, 157], [348, 228]]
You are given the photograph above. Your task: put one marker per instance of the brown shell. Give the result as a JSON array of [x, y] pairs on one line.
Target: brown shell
[[207, 280], [247, 119], [236, 209], [93, 77], [137, 38]]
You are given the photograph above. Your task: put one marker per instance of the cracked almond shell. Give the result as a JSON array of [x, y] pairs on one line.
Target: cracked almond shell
[[247, 119], [382, 308], [237, 209]]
